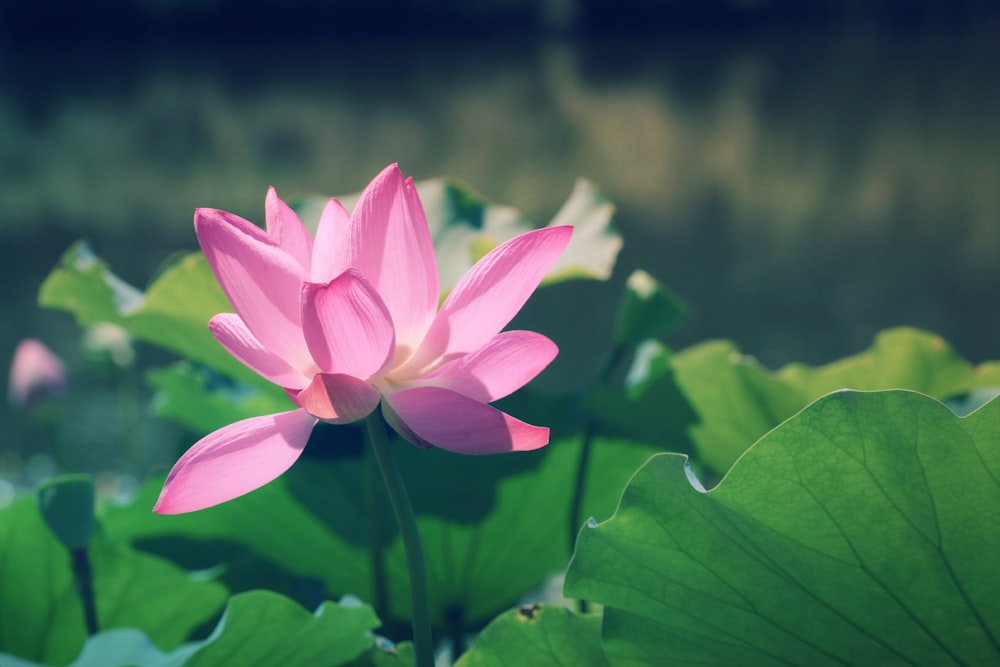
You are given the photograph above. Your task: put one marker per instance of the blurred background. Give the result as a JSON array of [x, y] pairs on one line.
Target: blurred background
[[803, 173]]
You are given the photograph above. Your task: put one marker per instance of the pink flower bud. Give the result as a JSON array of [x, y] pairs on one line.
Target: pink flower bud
[[36, 373]]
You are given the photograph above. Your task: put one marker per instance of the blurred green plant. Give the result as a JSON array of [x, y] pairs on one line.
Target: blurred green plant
[[732, 400]]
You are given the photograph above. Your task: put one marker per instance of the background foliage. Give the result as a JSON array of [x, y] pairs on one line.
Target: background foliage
[[808, 524]]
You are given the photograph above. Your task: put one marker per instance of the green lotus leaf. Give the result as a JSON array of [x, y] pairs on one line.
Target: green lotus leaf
[[267, 538], [862, 531], [486, 542], [711, 401], [258, 628], [261, 629]]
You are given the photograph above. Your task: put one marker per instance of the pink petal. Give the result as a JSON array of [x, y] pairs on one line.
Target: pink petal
[[260, 279], [449, 420], [338, 398], [502, 366], [239, 341], [391, 245], [330, 252], [489, 295], [234, 460], [287, 230], [347, 327]]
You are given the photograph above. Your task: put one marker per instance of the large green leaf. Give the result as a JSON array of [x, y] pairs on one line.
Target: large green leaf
[[538, 635], [258, 628], [493, 528], [41, 617], [863, 531], [261, 629], [902, 358], [712, 402], [253, 534], [734, 399]]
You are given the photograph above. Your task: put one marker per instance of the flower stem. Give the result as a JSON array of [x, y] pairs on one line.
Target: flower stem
[[583, 463], [603, 377], [423, 642], [576, 505], [85, 584], [582, 466], [375, 505]]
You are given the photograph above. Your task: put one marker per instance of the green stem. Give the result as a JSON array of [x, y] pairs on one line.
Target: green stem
[[420, 615], [583, 464], [455, 619], [576, 507], [375, 500], [85, 584]]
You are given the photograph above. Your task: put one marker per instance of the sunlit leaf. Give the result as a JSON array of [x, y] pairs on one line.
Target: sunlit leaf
[[712, 401], [859, 532], [735, 400], [899, 358], [595, 244]]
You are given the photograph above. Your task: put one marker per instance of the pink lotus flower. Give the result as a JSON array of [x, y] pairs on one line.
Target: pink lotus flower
[[349, 320], [35, 372]]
